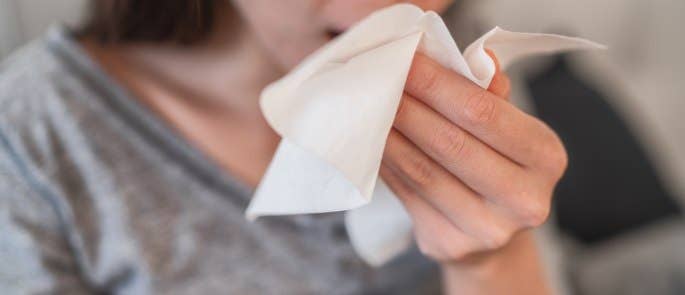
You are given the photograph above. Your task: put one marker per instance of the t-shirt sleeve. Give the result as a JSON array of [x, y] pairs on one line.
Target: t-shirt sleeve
[[34, 255]]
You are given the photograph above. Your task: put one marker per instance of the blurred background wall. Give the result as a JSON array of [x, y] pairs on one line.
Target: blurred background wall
[[23, 20]]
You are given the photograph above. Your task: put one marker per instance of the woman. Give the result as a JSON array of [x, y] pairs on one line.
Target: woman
[[129, 149]]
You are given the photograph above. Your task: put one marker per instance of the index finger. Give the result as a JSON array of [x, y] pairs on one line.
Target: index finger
[[491, 119]]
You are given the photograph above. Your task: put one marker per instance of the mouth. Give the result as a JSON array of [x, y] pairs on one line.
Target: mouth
[[332, 33]]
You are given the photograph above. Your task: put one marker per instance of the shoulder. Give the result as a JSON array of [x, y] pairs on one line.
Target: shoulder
[[27, 82], [41, 116], [46, 156], [36, 121], [44, 101], [30, 82]]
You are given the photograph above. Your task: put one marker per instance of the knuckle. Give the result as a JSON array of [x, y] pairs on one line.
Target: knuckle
[[479, 108], [496, 238], [558, 159], [534, 214], [455, 252], [449, 142], [553, 155], [420, 171], [424, 78], [428, 249], [443, 248]]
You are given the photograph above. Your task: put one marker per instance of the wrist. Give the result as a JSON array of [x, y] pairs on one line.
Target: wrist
[[514, 269]]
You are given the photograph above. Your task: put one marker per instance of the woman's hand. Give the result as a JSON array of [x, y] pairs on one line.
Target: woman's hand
[[471, 169]]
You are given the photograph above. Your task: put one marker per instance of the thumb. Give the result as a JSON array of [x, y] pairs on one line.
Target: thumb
[[500, 84]]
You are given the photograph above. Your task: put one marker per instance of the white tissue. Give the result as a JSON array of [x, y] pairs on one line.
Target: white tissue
[[335, 110]]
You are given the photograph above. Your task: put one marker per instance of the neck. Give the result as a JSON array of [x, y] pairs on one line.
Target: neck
[[208, 92], [225, 73]]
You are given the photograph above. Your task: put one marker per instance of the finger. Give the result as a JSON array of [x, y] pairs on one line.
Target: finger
[[494, 121], [500, 84], [492, 55], [480, 167], [436, 236], [447, 194]]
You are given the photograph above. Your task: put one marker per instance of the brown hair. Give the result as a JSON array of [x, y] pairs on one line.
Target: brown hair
[[174, 21]]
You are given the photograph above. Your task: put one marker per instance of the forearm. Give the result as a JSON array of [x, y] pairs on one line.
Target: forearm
[[515, 269]]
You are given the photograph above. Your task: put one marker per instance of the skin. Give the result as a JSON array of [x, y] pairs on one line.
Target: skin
[[474, 172]]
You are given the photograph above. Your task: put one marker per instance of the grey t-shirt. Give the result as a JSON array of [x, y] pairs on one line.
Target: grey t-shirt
[[98, 195]]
